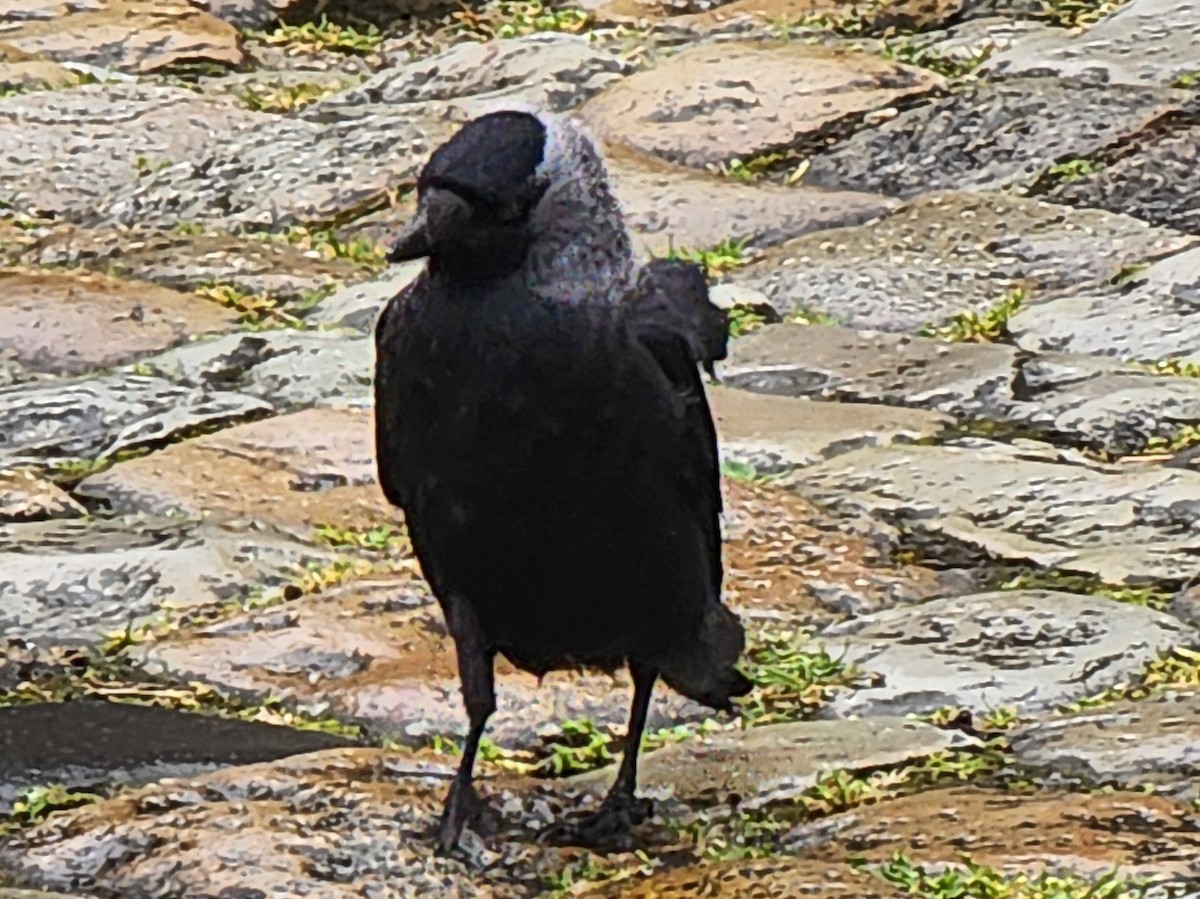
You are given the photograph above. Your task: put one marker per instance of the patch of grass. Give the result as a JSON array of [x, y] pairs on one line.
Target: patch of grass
[[755, 168], [907, 50], [1177, 368], [1187, 80], [325, 244], [1154, 595], [968, 880], [1071, 170], [314, 37], [383, 538], [744, 319], [255, 311], [36, 802], [1128, 272], [502, 19], [1078, 13], [1177, 669], [979, 327], [116, 679], [589, 870], [285, 97], [144, 166], [791, 679], [716, 260]]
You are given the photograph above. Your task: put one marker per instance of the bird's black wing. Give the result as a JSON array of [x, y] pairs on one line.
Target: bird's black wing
[[670, 314], [392, 382]]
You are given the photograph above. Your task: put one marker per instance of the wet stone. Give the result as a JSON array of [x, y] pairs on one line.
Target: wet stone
[[357, 306], [293, 471], [70, 583], [338, 158], [777, 763], [778, 434], [85, 745], [1152, 316], [669, 206], [830, 363], [1143, 42], [1081, 833], [124, 130], [50, 318], [1032, 650], [331, 823], [86, 419], [184, 261], [1127, 744], [556, 70], [990, 136], [949, 254], [788, 562], [686, 110], [1025, 503], [129, 35], [25, 497], [1156, 180], [1102, 405], [1079, 401], [286, 368]]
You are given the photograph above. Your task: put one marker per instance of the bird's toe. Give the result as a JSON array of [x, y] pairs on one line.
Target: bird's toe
[[610, 826], [463, 809]]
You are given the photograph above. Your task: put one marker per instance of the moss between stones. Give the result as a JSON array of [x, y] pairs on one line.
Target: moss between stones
[[1177, 669], [989, 326], [968, 880], [1156, 595], [324, 35]]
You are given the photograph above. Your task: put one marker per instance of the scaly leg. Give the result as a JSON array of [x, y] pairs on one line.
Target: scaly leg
[[475, 656], [621, 810]]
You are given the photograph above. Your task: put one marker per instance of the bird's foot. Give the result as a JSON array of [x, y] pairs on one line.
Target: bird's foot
[[610, 826], [463, 808]]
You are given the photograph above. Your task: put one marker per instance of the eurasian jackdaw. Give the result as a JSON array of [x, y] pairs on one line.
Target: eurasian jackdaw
[[542, 422]]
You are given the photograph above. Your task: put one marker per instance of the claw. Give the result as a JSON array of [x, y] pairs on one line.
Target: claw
[[610, 826], [463, 808]]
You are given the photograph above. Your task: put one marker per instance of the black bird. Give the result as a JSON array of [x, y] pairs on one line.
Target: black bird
[[542, 422]]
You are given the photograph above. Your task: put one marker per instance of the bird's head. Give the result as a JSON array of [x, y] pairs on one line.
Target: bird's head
[[475, 198], [521, 188]]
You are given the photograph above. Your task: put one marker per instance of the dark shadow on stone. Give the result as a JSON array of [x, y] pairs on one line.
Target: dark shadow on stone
[[105, 743]]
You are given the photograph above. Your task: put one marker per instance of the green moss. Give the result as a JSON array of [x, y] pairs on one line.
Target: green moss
[[907, 50], [1187, 80], [501, 19], [37, 802], [715, 260], [283, 98], [1072, 170], [1156, 595], [117, 679], [1177, 669], [384, 538], [326, 244], [968, 880], [792, 679], [1078, 13], [324, 35], [256, 311], [972, 327], [1176, 368]]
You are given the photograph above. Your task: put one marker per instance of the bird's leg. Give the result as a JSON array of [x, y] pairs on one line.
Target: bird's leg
[[621, 810], [475, 656]]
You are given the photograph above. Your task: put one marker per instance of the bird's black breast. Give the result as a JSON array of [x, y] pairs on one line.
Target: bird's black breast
[[535, 450]]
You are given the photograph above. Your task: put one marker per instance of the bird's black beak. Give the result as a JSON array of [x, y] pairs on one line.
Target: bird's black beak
[[413, 242]]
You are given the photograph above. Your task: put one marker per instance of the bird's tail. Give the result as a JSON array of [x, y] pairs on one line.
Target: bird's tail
[[703, 669]]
